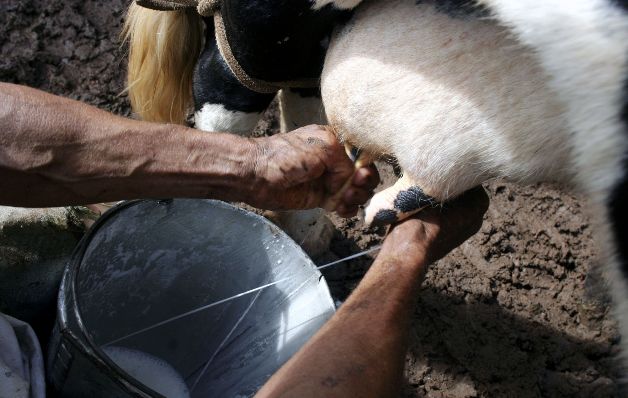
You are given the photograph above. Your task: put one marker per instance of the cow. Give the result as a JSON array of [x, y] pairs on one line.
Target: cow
[[458, 92], [528, 91]]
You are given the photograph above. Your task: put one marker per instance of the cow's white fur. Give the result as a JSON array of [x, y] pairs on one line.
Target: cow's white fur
[[461, 101], [456, 101], [215, 117], [582, 44], [340, 4]]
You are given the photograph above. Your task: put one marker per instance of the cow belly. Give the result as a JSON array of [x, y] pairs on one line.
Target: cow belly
[[456, 101]]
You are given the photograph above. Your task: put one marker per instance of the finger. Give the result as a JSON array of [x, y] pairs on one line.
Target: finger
[[356, 196], [303, 196], [469, 206], [366, 177], [319, 135], [476, 199]]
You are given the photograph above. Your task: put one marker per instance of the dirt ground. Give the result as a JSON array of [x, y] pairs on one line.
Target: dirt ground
[[518, 311]]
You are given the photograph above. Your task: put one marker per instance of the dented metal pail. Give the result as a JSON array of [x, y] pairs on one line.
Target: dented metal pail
[[145, 309]]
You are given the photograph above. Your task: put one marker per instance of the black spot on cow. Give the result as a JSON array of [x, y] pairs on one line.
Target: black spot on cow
[[622, 3], [215, 84], [624, 106], [458, 8], [307, 92], [619, 219], [397, 171], [619, 199], [279, 40], [412, 199], [384, 217]]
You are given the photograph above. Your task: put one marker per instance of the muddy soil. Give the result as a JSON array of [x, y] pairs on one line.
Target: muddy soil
[[518, 311]]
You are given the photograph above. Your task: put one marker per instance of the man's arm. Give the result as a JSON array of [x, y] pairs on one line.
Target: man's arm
[[56, 151], [360, 352]]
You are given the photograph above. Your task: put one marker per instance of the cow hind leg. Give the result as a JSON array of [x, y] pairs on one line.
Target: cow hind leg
[[312, 229], [223, 104], [618, 215], [300, 107]]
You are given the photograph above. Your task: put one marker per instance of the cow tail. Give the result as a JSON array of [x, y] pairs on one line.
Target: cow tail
[[163, 49]]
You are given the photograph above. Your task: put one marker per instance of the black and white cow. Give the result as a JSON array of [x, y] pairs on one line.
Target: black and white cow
[[458, 92], [278, 44], [524, 90]]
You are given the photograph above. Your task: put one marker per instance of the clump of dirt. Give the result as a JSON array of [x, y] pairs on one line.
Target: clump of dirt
[[69, 48], [520, 310]]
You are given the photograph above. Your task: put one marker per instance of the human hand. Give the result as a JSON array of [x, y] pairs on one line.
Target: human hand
[[304, 168], [433, 232]]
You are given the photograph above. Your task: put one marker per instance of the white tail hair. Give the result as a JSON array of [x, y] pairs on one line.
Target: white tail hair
[[163, 49]]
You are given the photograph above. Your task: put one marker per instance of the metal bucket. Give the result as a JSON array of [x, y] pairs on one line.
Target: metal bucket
[[145, 262]]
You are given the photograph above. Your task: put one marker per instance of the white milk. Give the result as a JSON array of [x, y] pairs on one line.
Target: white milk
[[149, 370]]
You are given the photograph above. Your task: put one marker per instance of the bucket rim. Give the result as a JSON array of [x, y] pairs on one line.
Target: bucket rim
[[68, 301], [68, 304]]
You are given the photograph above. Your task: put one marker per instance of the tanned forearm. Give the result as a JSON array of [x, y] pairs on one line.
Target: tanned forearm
[[55, 151], [360, 352]]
